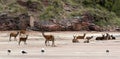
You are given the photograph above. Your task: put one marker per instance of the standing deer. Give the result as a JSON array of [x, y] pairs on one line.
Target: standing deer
[[23, 39], [75, 40], [48, 38], [13, 35], [81, 37]]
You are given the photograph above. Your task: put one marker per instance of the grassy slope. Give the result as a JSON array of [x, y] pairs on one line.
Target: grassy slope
[[60, 9]]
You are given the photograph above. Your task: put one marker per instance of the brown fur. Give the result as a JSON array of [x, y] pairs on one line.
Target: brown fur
[[81, 37], [100, 38], [107, 37], [48, 38], [13, 35], [22, 32], [75, 40], [23, 39]]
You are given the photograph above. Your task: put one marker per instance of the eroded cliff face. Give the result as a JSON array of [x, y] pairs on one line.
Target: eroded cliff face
[[65, 25], [8, 22], [23, 21]]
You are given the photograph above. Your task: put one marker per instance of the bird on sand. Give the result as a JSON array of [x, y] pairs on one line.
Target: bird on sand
[[107, 51], [23, 52], [42, 50], [9, 51]]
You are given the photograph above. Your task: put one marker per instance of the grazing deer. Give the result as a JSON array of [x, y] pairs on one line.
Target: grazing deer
[[22, 32], [23, 39], [13, 35], [75, 40], [81, 37], [48, 38], [88, 39]]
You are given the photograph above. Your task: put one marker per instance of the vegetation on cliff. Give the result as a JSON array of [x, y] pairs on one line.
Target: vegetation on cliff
[[100, 12]]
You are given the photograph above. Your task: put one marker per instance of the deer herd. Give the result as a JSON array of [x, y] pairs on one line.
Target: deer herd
[[23, 37]]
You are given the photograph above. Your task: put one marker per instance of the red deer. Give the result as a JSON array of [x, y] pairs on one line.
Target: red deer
[[81, 37], [23, 39], [48, 38], [75, 40], [13, 35]]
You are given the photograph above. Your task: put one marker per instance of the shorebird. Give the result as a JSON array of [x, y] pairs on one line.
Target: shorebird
[[9, 51], [107, 51], [23, 52], [42, 50]]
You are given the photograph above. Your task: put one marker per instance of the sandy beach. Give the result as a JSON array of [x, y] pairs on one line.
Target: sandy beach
[[64, 49]]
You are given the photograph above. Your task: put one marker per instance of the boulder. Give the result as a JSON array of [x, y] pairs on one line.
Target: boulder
[[94, 27]]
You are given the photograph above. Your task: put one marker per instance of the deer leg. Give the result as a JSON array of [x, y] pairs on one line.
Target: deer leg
[[53, 43], [77, 41], [10, 38], [87, 41], [109, 38], [19, 42], [46, 42]]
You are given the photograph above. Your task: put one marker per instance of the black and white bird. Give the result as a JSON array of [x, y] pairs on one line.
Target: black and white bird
[[9, 51], [107, 51], [23, 52], [42, 50]]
